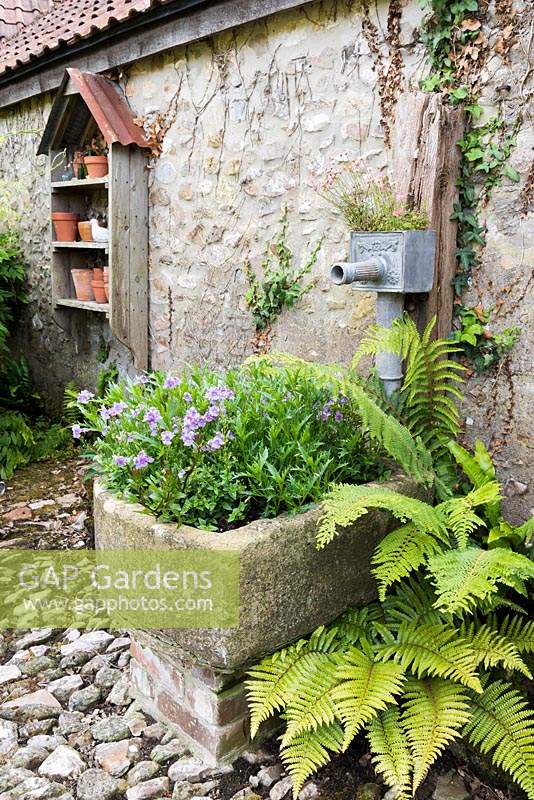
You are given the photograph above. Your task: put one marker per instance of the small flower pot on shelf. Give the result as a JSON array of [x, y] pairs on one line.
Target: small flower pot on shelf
[[97, 166], [84, 229], [82, 279], [98, 274], [99, 291], [65, 225]]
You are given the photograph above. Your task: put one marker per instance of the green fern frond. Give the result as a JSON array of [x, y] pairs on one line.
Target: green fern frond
[[429, 389], [434, 650], [401, 552], [411, 601], [390, 754], [525, 531], [502, 725], [309, 751], [517, 630], [478, 468], [357, 624], [273, 682], [434, 711], [364, 688], [459, 514], [462, 578], [345, 503], [313, 706], [491, 649]]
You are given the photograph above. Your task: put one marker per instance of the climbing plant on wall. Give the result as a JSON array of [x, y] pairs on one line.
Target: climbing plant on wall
[[457, 49]]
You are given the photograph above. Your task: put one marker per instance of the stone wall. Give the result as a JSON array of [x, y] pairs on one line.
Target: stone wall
[[251, 119]]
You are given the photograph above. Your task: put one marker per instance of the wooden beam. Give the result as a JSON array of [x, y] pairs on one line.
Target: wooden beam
[[125, 48], [426, 162]]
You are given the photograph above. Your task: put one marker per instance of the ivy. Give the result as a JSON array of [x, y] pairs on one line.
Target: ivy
[[456, 51], [485, 152], [480, 346]]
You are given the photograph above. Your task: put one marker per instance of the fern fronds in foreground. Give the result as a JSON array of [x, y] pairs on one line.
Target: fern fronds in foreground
[[503, 725], [434, 712], [391, 756], [463, 578]]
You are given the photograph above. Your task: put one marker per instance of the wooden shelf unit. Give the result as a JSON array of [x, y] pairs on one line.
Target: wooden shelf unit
[[123, 196], [85, 106]]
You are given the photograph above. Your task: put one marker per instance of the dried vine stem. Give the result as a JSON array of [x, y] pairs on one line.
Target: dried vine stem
[[389, 74]]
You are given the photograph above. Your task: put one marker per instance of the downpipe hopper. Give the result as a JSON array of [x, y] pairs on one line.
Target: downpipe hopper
[[391, 264]]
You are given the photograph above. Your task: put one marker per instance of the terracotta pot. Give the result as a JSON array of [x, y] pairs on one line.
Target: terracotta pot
[[97, 166], [84, 229], [65, 225], [99, 291], [98, 274], [106, 290], [82, 283]]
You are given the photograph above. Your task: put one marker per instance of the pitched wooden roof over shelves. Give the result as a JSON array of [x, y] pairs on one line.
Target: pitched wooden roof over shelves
[[82, 96]]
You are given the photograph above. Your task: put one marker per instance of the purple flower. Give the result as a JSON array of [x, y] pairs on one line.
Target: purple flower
[[338, 416], [105, 413], [167, 437], [218, 393], [117, 409], [193, 419], [212, 413], [130, 437], [135, 412], [142, 460], [77, 431], [188, 437], [342, 400], [181, 474], [120, 461], [85, 396], [152, 416], [141, 377], [216, 442], [326, 411], [188, 397], [171, 382]]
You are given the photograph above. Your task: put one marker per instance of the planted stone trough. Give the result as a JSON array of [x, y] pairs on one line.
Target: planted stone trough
[[193, 678]]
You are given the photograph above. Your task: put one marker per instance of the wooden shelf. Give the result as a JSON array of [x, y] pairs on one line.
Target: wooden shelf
[[82, 183], [80, 245], [87, 305]]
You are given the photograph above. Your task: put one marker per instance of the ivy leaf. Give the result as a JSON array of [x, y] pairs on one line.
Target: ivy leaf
[[511, 173]]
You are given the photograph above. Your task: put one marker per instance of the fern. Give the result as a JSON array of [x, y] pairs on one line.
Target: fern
[[434, 712], [309, 751], [502, 725], [412, 602], [313, 706], [462, 578], [429, 388], [346, 503], [391, 756], [273, 681], [401, 552], [491, 648], [517, 630], [460, 517], [366, 687], [433, 650]]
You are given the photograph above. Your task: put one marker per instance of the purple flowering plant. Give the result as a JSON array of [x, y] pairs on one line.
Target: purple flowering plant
[[216, 451]]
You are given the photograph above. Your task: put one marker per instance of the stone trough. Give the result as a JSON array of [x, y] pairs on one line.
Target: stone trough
[[193, 678]]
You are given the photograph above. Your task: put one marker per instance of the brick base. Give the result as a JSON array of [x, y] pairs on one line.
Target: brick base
[[206, 706]]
